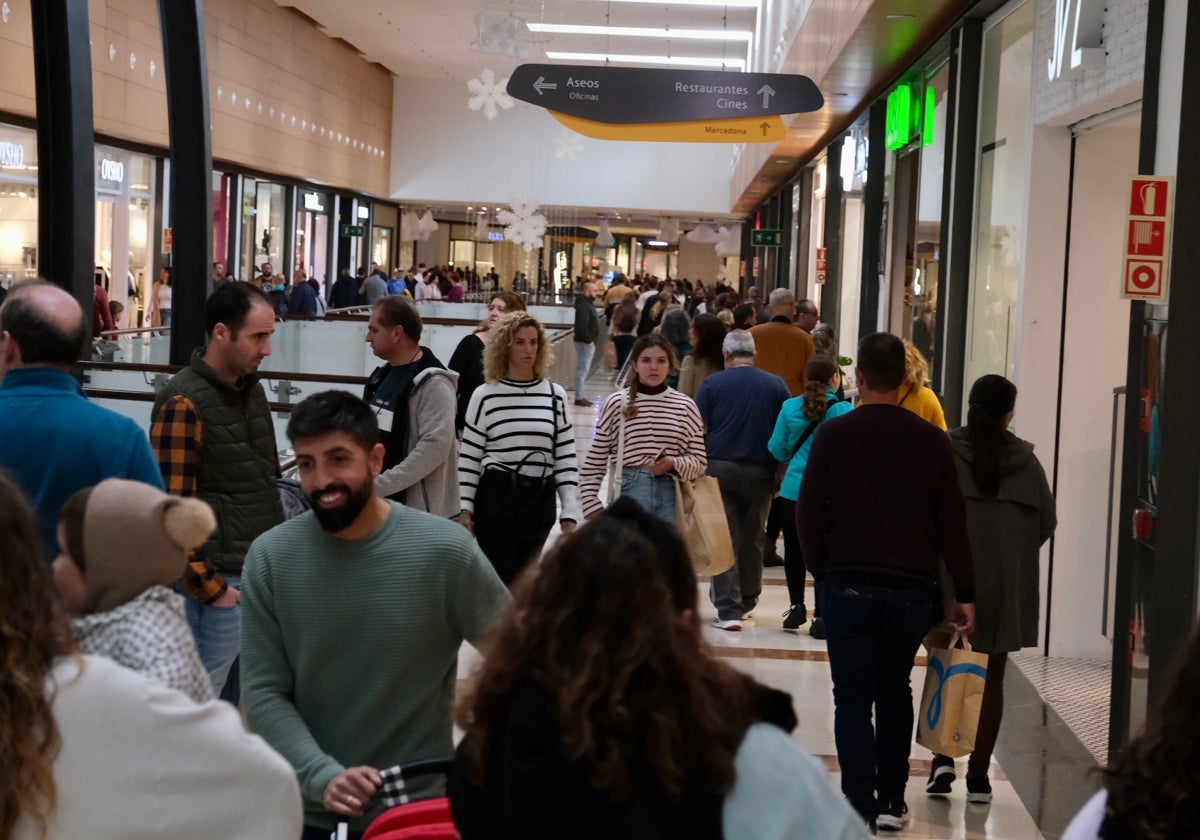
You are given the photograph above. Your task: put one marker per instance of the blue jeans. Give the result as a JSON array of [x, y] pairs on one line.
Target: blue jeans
[[873, 633], [218, 635], [584, 353], [656, 493], [746, 492]]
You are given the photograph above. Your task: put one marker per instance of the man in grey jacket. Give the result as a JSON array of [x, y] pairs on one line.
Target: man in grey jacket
[[587, 331], [413, 396]]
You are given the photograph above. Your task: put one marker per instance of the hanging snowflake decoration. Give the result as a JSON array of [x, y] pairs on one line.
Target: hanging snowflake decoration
[[523, 225], [567, 145], [489, 94]]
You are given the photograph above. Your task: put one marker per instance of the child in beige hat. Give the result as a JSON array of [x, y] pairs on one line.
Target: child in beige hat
[[121, 545]]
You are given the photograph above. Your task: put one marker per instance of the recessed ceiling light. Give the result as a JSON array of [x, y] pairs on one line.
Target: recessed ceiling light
[[645, 32], [672, 60], [901, 17], [740, 4]]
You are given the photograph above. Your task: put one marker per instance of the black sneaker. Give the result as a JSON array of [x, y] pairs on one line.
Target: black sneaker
[[941, 776], [979, 790], [817, 630], [893, 816], [795, 617]]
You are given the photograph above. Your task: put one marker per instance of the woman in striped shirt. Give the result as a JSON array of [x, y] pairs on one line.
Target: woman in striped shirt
[[518, 450], [663, 434]]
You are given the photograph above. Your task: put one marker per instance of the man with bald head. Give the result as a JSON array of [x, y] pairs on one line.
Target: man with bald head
[[54, 442]]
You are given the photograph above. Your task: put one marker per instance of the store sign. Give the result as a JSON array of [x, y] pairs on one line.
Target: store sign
[[12, 154], [1148, 238], [112, 170], [1082, 22], [312, 202], [364, 212], [906, 117], [495, 236]]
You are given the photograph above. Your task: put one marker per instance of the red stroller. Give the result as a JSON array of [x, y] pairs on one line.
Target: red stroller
[[427, 819]]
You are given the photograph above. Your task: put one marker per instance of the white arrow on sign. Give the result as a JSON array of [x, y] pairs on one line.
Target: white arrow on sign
[[767, 92], [541, 84]]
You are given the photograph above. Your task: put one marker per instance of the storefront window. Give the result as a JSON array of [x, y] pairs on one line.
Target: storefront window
[[1003, 164], [384, 221], [263, 216], [224, 189], [124, 236], [928, 248], [18, 205], [312, 234]]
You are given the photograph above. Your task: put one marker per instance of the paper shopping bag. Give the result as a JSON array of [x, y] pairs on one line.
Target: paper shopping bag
[[700, 518], [950, 703]]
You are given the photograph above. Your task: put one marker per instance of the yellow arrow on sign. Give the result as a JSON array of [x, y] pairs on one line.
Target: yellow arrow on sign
[[736, 130]]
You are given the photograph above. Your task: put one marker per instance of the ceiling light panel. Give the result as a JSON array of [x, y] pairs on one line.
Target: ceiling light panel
[[644, 32], [668, 60], [733, 4]]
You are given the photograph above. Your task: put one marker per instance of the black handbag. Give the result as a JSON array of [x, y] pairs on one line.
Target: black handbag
[[522, 501]]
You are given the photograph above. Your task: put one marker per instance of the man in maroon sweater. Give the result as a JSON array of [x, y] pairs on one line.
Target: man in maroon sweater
[[878, 506]]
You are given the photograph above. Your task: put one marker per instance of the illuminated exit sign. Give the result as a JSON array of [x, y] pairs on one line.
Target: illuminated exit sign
[[906, 117]]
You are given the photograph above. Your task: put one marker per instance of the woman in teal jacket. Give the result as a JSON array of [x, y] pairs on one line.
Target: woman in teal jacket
[[790, 444]]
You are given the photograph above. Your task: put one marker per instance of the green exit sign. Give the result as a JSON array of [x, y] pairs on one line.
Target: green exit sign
[[766, 238], [354, 230]]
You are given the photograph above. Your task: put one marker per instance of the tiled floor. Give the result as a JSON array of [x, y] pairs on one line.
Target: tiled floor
[[1036, 800]]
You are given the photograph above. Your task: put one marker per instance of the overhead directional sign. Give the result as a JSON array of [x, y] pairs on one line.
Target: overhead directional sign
[[631, 95], [744, 130]]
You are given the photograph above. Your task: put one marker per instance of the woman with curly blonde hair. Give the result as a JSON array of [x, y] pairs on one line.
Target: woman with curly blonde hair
[[518, 449], [583, 723], [67, 720], [914, 395]]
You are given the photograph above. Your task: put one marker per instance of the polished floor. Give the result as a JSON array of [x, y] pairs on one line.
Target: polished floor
[[1042, 772]]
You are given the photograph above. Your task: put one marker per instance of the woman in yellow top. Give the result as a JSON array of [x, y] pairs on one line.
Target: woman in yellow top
[[914, 396]]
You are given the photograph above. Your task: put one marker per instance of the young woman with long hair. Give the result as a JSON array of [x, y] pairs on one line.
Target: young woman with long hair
[[467, 360], [622, 327], [583, 723], [662, 433], [518, 449], [68, 719], [706, 357], [790, 444], [914, 394], [1006, 493], [1151, 788]]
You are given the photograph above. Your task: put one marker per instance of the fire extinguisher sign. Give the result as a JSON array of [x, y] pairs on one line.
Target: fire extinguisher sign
[[1148, 237]]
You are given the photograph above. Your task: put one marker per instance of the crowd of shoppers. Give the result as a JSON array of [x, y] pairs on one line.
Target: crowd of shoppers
[[116, 595]]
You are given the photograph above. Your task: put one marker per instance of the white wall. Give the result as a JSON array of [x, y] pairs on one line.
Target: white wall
[[441, 152]]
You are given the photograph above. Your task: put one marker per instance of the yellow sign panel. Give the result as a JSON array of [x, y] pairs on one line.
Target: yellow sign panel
[[736, 130]]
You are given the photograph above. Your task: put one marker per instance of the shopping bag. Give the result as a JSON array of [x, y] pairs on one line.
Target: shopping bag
[[700, 518], [950, 703], [610, 355]]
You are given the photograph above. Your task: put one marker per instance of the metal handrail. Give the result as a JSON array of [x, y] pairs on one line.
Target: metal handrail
[[326, 378]]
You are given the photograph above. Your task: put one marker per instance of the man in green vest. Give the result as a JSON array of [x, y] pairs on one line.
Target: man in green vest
[[215, 439]]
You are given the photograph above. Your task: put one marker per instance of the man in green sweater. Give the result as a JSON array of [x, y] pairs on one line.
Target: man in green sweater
[[353, 616]]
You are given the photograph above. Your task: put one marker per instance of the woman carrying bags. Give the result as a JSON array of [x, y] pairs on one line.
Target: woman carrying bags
[[648, 431], [518, 450], [1006, 493], [790, 444]]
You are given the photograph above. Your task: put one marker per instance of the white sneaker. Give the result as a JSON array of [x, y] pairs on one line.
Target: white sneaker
[[728, 624]]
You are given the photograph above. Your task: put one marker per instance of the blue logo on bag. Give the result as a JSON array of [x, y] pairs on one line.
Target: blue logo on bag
[[934, 713]]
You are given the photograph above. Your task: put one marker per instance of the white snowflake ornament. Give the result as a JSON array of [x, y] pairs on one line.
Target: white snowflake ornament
[[489, 94], [567, 145], [523, 225]]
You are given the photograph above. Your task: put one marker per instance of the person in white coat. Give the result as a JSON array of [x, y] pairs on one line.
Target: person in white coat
[[92, 749]]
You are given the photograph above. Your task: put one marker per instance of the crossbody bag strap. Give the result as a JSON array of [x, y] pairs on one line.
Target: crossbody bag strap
[[614, 482], [812, 427]]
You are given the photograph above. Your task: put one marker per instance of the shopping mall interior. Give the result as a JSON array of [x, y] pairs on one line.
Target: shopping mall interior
[[966, 177]]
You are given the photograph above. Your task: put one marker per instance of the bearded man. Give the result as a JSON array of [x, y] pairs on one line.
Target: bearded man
[[353, 616]]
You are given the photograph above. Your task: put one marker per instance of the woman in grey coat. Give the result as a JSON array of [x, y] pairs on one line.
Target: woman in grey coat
[[1010, 513]]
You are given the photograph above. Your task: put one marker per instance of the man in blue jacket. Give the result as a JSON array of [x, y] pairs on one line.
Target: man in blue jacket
[[54, 442]]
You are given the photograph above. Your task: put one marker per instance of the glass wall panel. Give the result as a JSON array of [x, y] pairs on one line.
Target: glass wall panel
[[124, 231], [312, 235], [263, 209], [1003, 166], [928, 246], [18, 204]]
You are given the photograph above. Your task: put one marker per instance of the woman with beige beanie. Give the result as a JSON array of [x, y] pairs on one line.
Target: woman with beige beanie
[[121, 545]]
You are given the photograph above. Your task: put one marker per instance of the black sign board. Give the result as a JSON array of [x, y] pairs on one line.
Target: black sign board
[[624, 95]]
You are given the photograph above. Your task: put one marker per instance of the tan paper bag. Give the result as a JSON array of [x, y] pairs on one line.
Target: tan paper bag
[[949, 712], [700, 518]]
